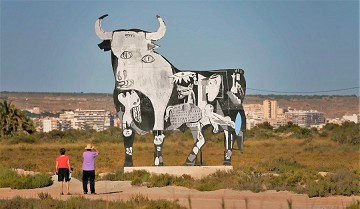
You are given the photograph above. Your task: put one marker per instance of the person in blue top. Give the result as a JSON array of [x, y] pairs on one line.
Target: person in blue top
[[88, 168]]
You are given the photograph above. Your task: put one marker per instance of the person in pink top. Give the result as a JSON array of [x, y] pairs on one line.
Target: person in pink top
[[88, 168], [63, 170]]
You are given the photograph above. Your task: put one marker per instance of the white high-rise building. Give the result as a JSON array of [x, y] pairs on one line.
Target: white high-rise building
[[47, 125]]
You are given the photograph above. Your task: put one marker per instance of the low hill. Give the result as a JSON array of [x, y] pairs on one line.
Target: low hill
[[332, 106]]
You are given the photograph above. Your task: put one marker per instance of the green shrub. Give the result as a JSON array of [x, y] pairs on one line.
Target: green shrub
[[340, 183], [136, 181], [295, 131], [44, 196], [217, 180], [32, 181], [346, 133], [289, 127], [9, 178], [160, 180], [261, 131], [302, 133], [205, 186], [141, 201], [136, 175], [184, 180], [22, 138], [248, 179], [281, 165]]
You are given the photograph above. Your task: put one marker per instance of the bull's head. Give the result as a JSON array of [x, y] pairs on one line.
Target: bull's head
[[131, 49]]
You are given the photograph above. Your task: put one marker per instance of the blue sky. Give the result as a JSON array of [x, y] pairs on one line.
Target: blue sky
[[283, 46]]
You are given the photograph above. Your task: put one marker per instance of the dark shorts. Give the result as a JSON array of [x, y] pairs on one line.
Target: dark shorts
[[63, 173]]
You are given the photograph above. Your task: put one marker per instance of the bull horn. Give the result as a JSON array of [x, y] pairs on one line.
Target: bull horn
[[99, 31], [159, 33]]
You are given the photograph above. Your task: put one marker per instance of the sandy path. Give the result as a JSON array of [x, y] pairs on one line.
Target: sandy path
[[122, 190]]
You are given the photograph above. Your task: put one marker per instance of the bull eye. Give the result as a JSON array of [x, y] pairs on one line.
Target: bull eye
[[126, 55], [148, 59]]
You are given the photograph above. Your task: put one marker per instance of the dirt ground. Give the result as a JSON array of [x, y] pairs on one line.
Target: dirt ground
[[123, 190]]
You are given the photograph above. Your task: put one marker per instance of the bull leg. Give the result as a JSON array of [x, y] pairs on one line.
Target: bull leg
[[228, 144], [158, 143], [199, 143], [128, 134]]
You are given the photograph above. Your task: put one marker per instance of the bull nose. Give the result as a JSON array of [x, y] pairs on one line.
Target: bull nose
[[125, 84]]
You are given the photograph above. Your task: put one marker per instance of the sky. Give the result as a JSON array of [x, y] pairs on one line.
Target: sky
[[284, 47]]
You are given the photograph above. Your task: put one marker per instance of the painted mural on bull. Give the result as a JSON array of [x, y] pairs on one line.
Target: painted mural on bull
[[151, 94]]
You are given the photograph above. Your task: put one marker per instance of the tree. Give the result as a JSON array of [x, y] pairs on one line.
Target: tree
[[13, 120]]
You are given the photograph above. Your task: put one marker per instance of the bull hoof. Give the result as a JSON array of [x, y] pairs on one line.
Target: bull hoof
[[227, 162], [158, 161], [160, 164], [128, 164], [190, 163]]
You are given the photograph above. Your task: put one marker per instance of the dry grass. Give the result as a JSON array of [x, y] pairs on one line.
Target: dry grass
[[317, 155]]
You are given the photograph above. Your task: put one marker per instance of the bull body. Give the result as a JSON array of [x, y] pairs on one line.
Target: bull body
[[151, 94]]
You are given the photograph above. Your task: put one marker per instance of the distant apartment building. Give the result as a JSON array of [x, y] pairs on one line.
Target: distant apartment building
[[36, 110], [305, 119], [352, 118], [266, 112], [254, 114], [49, 124], [109, 121], [66, 120], [334, 121], [79, 119], [270, 109], [94, 119]]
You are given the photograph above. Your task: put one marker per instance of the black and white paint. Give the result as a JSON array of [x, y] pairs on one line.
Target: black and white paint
[[152, 95]]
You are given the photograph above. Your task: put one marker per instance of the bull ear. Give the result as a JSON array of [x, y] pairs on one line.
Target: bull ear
[[99, 31], [159, 33], [105, 45]]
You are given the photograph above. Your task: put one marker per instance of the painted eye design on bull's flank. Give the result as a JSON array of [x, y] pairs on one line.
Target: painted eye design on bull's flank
[[148, 59], [126, 55]]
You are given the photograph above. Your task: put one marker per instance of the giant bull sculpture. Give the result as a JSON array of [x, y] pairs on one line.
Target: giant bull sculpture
[[151, 94]]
